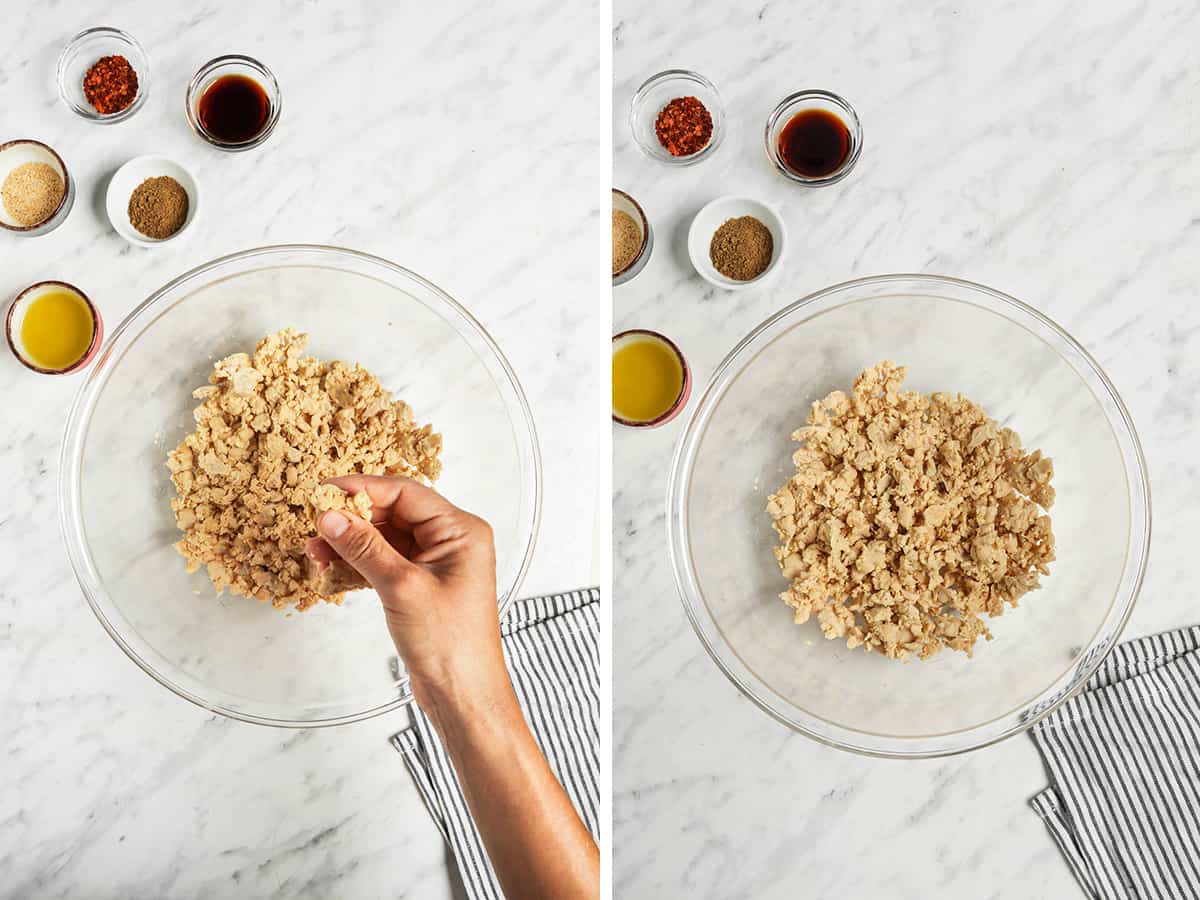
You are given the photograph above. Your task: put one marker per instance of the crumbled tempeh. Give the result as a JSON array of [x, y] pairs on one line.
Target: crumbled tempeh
[[909, 516], [248, 480]]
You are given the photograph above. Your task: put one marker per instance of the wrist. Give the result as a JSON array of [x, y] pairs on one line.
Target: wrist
[[466, 696]]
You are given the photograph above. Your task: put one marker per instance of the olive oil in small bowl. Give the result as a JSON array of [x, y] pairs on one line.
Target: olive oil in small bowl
[[53, 328], [651, 379]]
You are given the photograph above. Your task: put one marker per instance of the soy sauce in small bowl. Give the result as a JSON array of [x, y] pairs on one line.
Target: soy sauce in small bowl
[[814, 138], [233, 102], [814, 143], [234, 109]]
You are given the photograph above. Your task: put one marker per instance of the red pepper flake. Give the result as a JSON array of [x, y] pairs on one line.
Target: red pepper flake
[[684, 126], [110, 85]]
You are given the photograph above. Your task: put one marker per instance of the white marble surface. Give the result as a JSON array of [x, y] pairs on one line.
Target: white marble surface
[[1045, 149], [449, 138]]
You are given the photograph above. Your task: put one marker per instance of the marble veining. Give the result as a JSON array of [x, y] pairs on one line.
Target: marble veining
[[1043, 149], [420, 137]]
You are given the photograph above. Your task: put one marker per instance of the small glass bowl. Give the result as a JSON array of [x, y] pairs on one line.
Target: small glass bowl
[[622, 202], [16, 153], [805, 100], [81, 54], [657, 92], [233, 64]]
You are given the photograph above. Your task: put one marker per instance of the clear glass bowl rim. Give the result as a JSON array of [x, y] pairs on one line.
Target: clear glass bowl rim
[[79, 417], [718, 116], [841, 737], [143, 74]]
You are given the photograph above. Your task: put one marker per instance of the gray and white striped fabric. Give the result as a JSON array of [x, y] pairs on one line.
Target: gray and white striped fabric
[[553, 652], [1124, 764]]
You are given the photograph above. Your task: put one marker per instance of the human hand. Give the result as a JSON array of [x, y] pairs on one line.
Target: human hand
[[434, 568]]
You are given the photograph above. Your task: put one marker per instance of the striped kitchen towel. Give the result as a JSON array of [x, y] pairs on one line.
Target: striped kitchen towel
[[553, 652], [1124, 764]]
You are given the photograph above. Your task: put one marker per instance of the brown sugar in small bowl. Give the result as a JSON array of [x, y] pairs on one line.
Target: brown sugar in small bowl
[[19, 152], [685, 390], [15, 316], [622, 202]]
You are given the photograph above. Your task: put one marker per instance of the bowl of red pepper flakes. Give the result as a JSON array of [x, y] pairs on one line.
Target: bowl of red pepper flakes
[[103, 75], [677, 117]]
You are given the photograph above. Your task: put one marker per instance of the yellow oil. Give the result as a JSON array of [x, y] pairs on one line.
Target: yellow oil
[[57, 330], [647, 378]]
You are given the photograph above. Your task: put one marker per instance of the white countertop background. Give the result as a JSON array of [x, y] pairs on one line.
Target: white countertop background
[[449, 138], [1045, 149]]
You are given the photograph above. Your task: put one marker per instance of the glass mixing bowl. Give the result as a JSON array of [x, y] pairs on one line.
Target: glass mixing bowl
[[230, 654], [1028, 374]]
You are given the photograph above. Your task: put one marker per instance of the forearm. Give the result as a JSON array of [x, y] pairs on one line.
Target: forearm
[[534, 838]]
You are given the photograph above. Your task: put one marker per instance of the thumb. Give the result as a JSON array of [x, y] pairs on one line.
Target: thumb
[[361, 545]]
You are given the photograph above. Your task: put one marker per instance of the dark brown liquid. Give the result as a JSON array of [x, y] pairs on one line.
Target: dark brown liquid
[[234, 109], [814, 143]]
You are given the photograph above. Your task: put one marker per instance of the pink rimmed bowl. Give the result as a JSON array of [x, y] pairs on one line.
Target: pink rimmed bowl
[[16, 316], [685, 390]]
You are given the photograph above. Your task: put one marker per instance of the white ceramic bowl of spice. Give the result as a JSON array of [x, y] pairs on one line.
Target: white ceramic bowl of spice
[[36, 190], [152, 200], [736, 242]]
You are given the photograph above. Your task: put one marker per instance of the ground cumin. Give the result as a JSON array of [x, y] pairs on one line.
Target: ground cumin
[[158, 207], [742, 248]]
